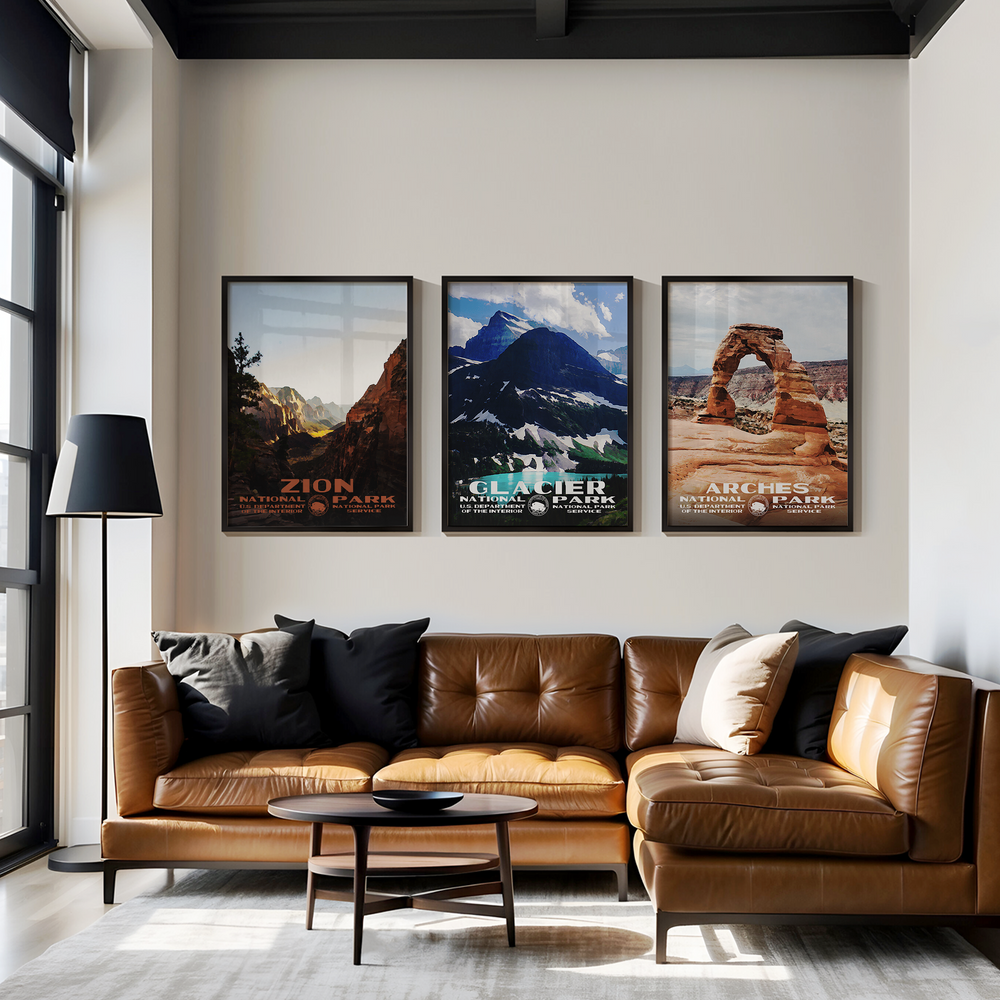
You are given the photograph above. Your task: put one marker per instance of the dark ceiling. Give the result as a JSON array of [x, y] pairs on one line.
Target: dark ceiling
[[546, 29]]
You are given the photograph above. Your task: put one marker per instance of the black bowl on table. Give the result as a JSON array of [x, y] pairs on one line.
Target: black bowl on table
[[416, 801]]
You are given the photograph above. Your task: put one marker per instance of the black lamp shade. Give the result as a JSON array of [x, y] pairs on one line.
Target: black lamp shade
[[105, 467]]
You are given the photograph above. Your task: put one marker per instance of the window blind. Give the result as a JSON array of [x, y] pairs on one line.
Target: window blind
[[34, 70]]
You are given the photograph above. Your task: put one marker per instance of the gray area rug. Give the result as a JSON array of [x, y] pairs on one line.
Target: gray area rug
[[241, 935]]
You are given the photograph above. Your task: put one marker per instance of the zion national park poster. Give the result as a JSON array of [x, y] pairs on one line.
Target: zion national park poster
[[757, 404], [316, 404], [538, 415]]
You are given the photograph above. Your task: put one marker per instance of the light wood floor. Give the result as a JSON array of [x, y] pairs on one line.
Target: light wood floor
[[39, 907]]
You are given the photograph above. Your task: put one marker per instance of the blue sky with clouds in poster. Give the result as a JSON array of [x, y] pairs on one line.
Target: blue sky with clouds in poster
[[594, 314]]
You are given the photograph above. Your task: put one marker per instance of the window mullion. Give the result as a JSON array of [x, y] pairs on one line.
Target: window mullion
[[21, 162], [12, 307], [16, 450]]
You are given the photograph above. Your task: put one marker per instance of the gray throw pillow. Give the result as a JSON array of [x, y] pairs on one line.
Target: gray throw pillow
[[243, 694], [736, 689]]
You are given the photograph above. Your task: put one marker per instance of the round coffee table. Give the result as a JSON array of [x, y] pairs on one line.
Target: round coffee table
[[359, 811]]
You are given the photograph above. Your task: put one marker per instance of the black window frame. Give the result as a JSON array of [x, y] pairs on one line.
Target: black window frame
[[37, 835]]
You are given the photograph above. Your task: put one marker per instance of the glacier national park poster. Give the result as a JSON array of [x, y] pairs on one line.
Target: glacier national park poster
[[757, 404], [316, 404], [538, 404]]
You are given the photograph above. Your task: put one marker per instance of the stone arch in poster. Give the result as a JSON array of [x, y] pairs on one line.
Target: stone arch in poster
[[796, 404]]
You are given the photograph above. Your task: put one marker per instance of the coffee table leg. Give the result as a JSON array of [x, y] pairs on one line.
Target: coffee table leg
[[506, 879], [360, 879], [315, 848]]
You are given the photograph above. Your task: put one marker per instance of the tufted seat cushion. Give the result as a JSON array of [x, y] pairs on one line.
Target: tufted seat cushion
[[702, 797], [566, 782], [240, 783]]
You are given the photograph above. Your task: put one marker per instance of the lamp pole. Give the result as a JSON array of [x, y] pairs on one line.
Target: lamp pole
[[104, 666]]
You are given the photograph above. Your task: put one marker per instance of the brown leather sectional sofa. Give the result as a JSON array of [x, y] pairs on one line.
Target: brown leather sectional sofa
[[898, 827], [538, 716], [895, 826]]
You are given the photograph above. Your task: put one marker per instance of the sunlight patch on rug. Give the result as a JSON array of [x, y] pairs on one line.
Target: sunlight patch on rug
[[210, 930]]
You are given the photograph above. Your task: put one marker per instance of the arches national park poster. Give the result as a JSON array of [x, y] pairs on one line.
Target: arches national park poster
[[538, 415], [316, 404], [757, 404]]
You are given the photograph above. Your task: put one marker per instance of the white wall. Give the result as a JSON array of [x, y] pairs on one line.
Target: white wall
[[166, 165], [537, 168], [955, 344], [125, 208], [111, 372]]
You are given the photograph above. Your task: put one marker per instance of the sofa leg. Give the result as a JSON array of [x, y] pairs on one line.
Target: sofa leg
[[621, 871], [662, 926], [109, 882]]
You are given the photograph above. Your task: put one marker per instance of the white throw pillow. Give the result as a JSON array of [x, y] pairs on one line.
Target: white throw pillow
[[737, 687]]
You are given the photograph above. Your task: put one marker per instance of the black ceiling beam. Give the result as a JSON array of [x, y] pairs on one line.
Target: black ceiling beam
[[667, 35], [550, 18]]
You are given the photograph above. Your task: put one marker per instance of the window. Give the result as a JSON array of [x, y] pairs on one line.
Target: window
[[28, 240]]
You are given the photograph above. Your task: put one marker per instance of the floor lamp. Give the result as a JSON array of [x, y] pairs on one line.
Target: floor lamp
[[105, 470]]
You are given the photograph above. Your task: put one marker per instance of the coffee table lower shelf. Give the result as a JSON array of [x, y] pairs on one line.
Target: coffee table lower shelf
[[388, 864]]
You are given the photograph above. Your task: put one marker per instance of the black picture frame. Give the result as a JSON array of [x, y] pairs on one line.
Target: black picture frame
[[776, 453], [536, 423], [335, 451]]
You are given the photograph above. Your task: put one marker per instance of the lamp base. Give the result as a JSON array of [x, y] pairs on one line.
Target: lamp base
[[82, 858]]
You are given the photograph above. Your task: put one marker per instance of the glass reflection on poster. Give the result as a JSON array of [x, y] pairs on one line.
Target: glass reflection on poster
[[758, 426], [538, 409], [316, 404]]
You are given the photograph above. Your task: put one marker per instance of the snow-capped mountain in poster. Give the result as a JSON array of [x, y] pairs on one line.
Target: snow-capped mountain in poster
[[493, 339], [537, 417]]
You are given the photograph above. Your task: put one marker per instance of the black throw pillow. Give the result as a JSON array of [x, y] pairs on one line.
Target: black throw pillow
[[243, 694], [364, 683], [803, 720]]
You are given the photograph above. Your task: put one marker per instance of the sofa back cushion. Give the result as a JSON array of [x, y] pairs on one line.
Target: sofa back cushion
[[562, 690], [908, 734], [658, 672]]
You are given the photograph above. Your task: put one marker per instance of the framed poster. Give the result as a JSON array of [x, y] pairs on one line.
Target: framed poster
[[757, 416], [316, 404], [537, 404]]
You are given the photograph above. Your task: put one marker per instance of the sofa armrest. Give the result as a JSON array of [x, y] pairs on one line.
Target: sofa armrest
[[985, 812], [905, 727], [147, 732]]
